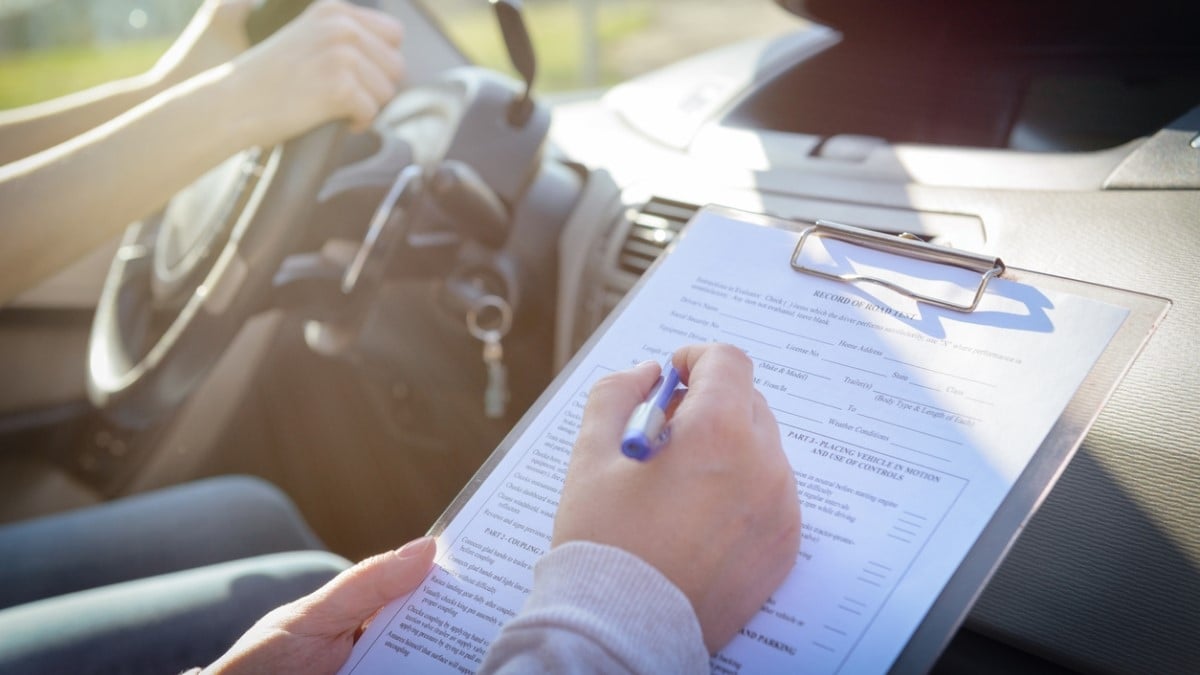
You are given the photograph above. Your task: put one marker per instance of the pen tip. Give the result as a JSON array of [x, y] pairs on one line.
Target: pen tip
[[635, 448]]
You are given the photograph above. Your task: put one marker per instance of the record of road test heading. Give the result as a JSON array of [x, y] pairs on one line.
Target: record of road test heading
[[927, 400]]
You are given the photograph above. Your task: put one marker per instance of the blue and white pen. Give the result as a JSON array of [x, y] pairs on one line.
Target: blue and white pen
[[646, 431]]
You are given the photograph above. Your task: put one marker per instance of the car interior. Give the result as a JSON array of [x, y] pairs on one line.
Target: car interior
[[319, 313]]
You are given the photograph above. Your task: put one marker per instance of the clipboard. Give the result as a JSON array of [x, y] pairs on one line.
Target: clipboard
[[950, 605], [1146, 312]]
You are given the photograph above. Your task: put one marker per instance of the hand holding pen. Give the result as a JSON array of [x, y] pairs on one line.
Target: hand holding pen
[[647, 430], [715, 510]]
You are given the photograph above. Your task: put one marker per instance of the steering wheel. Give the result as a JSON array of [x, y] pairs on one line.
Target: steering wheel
[[184, 280]]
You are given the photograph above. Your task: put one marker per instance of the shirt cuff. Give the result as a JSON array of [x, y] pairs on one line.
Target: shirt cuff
[[623, 602]]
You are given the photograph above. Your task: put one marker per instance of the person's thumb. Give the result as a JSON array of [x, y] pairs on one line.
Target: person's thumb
[[357, 593]]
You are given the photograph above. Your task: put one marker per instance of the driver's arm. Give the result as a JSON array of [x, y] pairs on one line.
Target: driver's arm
[[215, 34], [335, 61]]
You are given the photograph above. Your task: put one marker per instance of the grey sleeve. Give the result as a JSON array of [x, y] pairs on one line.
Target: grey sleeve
[[599, 609]]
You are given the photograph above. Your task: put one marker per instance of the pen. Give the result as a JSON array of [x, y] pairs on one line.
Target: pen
[[646, 431]]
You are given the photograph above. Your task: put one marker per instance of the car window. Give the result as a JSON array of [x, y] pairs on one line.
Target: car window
[[593, 43], [53, 47]]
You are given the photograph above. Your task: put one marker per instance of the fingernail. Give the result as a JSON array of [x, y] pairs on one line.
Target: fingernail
[[415, 547]]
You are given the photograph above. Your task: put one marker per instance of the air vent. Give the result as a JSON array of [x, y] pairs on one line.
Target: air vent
[[642, 234], [652, 229]]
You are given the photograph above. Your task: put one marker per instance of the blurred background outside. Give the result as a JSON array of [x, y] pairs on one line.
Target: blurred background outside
[[52, 47]]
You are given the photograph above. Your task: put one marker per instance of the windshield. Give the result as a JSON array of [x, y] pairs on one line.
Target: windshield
[[584, 44], [53, 47]]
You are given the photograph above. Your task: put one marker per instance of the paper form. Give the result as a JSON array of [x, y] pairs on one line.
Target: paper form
[[905, 426]]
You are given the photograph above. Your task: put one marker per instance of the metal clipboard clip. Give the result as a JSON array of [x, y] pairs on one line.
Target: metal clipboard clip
[[906, 245]]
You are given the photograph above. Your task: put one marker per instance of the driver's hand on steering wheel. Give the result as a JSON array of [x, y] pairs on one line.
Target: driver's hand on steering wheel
[[334, 61]]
